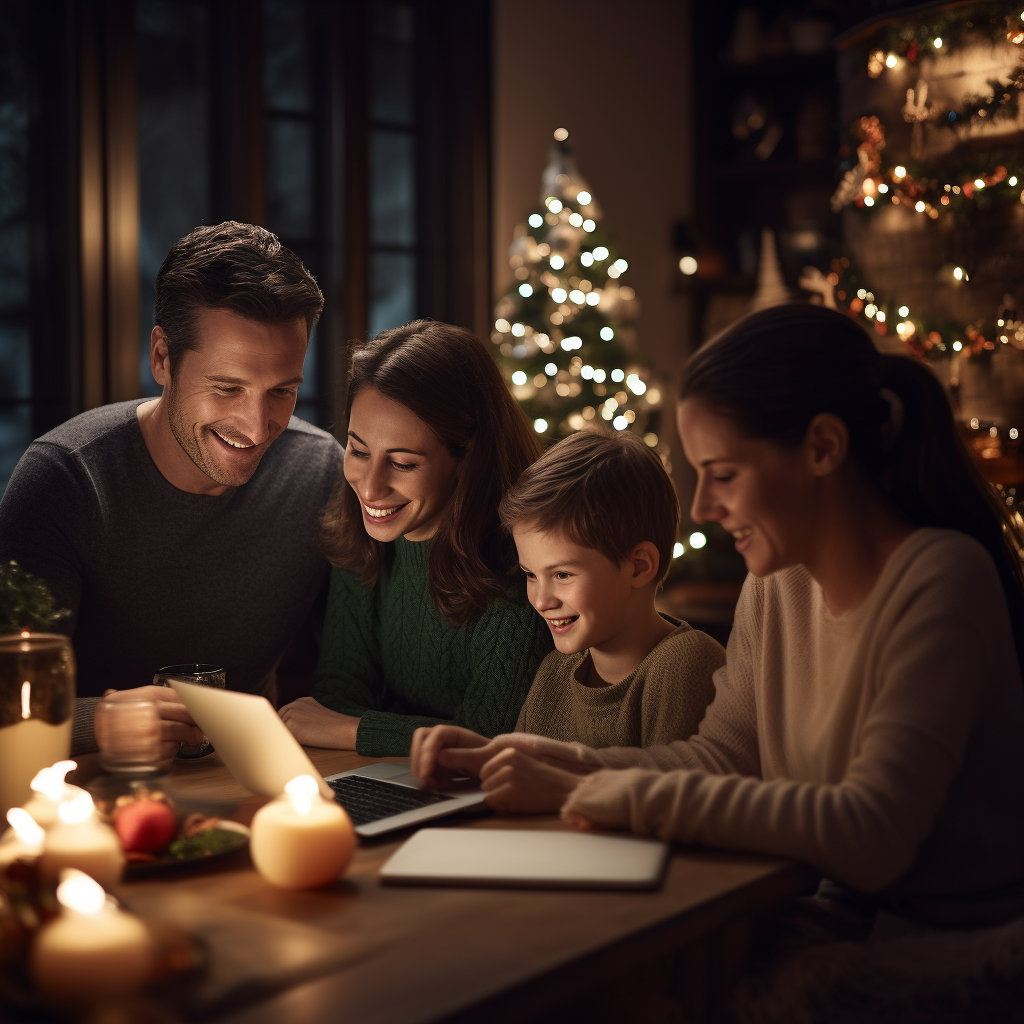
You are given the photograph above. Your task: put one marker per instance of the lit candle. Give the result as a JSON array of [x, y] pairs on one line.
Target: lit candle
[[300, 840], [93, 951], [48, 790], [24, 839], [80, 839]]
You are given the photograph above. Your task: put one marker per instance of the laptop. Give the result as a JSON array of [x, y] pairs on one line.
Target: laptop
[[263, 755]]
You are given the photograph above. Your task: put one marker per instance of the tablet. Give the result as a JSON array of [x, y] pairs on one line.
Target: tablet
[[526, 859]]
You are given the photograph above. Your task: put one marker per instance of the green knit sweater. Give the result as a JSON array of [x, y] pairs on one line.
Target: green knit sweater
[[391, 659]]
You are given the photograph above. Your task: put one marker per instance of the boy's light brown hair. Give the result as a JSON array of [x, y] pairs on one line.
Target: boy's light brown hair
[[608, 492]]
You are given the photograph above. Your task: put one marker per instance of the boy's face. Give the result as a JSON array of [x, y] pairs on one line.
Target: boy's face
[[583, 596]]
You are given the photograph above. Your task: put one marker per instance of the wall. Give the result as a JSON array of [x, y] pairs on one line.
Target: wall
[[618, 77]]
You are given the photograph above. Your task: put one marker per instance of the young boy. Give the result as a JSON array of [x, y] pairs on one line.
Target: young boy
[[594, 521]]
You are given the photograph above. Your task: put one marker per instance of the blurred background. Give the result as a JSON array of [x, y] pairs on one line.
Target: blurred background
[[595, 188]]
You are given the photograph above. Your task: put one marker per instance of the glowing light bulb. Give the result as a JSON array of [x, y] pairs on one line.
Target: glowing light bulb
[[559, 294], [883, 188], [1013, 434], [880, 317], [621, 265], [899, 171], [589, 225], [519, 378], [688, 265], [587, 372], [620, 423], [503, 326], [1012, 181], [904, 311], [635, 384], [587, 259], [919, 206], [518, 330], [678, 550], [584, 198], [561, 134], [556, 262], [575, 220], [599, 376], [536, 220], [958, 273], [957, 345], [869, 200], [607, 334], [554, 205], [890, 61], [526, 290], [937, 42], [577, 296], [593, 298], [540, 425], [697, 540], [618, 376], [551, 369], [600, 253]]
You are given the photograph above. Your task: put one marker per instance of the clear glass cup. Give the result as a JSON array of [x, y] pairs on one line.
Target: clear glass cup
[[37, 700], [201, 675], [128, 735]]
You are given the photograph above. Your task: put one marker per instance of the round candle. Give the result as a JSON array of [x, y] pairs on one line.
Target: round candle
[[48, 790], [93, 951], [301, 840], [23, 840], [81, 840]]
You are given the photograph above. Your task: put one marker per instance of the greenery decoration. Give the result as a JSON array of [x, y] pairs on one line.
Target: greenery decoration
[[26, 602]]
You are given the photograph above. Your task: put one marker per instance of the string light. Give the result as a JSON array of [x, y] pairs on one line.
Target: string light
[[575, 220], [593, 298], [540, 425], [551, 369], [678, 550], [583, 198], [554, 205], [589, 225], [519, 378], [587, 259], [556, 262], [688, 265], [600, 253], [535, 220], [518, 330], [697, 540], [607, 333], [526, 290]]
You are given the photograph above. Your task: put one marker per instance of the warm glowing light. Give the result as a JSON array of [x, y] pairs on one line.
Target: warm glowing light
[[678, 550], [26, 699], [957, 345], [519, 378], [883, 188], [25, 827], [697, 540], [621, 265], [978, 183], [526, 290], [620, 423], [572, 343], [904, 311], [589, 224], [559, 294], [593, 298], [50, 781], [556, 262], [583, 198], [600, 253], [651, 440], [577, 296], [607, 334], [1013, 434], [599, 376], [518, 330], [78, 892], [301, 791], [870, 310], [937, 42], [653, 396], [899, 171], [587, 372], [890, 61], [554, 205], [536, 220], [618, 376], [880, 317], [587, 259], [635, 384], [76, 810], [540, 426], [958, 273], [575, 220], [502, 325], [551, 369], [561, 134], [688, 265], [919, 206], [869, 201]]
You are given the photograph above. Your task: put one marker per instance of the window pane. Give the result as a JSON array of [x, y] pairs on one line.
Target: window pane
[[305, 407], [290, 177], [174, 187], [15, 360], [286, 84], [15, 437], [392, 188], [391, 22], [391, 77], [392, 289]]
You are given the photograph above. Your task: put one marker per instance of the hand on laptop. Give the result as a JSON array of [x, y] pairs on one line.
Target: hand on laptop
[[464, 753], [313, 725], [176, 725], [516, 783]]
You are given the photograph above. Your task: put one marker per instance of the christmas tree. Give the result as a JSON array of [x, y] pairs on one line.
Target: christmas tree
[[566, 326]]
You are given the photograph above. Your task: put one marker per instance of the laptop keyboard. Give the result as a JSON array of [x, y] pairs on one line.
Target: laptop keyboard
[[369, 800]]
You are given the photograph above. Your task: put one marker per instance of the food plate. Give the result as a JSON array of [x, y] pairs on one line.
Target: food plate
[[214, 844]]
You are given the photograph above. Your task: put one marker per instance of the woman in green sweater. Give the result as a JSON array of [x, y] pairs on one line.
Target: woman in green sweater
[[426, 622]]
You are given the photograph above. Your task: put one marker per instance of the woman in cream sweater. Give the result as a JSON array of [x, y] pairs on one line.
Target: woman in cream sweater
[[870, 715]]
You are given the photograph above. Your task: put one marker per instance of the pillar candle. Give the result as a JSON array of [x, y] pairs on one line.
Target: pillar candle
[[80, 839], [93, 951], [23, 840], [301, 840]]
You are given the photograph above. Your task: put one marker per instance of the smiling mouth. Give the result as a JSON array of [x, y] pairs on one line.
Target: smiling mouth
[[381, 514], [562, 625], [233, 444]]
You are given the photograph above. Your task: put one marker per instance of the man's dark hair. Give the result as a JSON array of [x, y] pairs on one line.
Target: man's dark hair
[[241, 268]]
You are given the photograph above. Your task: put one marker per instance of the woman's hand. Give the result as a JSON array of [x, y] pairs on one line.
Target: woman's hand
[[313, 725], [176, 725], [469, 750], [516, 783]]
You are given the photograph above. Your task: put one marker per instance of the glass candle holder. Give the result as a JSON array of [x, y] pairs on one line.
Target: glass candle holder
[[201, 675], [37, 700], [128, 735]]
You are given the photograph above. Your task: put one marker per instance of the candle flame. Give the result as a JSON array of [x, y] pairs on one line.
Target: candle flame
[[78, 892], [50, 781], [25, 634], [301, 791], [25, 827], [76, 810], [26, 699]]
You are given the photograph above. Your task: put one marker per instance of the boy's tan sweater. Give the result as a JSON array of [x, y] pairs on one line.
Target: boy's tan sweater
[[884, 746], [661, 700]]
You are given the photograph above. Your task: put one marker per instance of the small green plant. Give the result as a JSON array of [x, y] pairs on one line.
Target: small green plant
[[26, 602]]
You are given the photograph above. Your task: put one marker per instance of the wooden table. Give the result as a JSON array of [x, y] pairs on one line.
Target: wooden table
[[365, 953]]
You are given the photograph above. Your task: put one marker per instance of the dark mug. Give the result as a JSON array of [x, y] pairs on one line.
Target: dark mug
[[200, 675]]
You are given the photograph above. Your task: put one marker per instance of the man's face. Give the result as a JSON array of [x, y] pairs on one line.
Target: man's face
[[229, 397]]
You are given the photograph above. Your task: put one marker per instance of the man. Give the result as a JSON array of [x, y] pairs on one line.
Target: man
[[183, 529]]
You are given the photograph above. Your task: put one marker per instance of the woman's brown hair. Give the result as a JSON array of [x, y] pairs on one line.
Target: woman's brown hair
[[446, 377]]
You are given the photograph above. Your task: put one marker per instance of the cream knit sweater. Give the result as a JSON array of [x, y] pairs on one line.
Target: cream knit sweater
[[884, 746]]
